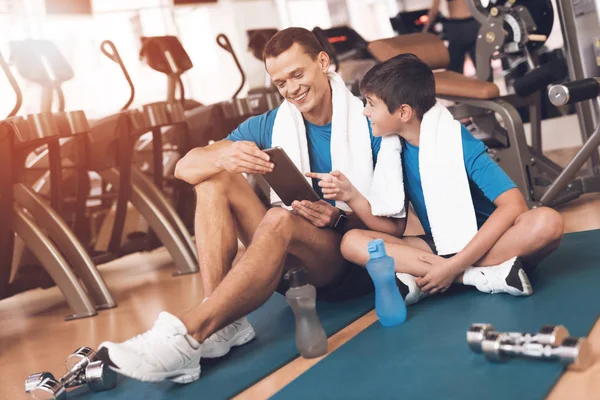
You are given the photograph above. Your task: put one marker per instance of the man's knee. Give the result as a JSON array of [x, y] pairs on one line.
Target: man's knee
[[547, 225], [221, 185], [279, 220], [214, 186]]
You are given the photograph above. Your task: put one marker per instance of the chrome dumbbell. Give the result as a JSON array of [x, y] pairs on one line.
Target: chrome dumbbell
[[45, 386], [83, 355], [98, 376], [34, 380], [552, 335], [573, 352]]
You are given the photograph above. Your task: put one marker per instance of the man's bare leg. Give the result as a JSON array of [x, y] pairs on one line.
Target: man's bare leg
[[257, 274], [222, 203]]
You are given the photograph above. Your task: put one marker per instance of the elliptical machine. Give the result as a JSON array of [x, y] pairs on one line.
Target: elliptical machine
[[108, 151], [206, 123], [39, 225]]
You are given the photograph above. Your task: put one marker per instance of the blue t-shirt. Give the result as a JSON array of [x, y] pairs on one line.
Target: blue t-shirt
[[486, 179], [259, 129]]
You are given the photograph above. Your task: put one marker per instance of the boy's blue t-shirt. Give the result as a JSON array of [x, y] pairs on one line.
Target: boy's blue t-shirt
[[486, 179], [259, 129]]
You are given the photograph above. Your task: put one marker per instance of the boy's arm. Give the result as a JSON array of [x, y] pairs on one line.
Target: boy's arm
[[363, 216], [497, 187], [336, 186], [509, 205]]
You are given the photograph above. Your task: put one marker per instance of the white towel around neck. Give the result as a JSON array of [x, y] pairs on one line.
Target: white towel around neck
[[350, 151]]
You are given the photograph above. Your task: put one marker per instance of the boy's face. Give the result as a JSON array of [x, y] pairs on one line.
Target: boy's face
[[382, 122], [300, 80]]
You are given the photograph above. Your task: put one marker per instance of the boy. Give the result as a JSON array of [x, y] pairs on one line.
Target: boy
[[399, 93]]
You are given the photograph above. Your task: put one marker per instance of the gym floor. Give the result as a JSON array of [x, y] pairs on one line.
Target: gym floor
[[34, 337]]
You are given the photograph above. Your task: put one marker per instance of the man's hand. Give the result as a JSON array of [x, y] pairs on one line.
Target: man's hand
[[319, 213], [441, 275], [245, 157], [335, 185]]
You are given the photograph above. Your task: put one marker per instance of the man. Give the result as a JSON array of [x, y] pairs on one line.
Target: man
[[228, 208]]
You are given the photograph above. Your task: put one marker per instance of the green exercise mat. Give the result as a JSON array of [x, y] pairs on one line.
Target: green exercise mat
[[274, 346], [427, 357]]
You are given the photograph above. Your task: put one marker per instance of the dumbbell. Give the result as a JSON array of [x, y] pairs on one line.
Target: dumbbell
[[552, 335], [573, 352], [83, 368], [76, 362], [98, 376], [34, 380]]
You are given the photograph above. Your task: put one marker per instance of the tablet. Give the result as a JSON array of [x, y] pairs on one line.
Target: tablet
[[287, 180]]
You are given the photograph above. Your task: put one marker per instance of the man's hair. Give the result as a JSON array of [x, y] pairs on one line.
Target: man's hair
[[403, 79], [286, 38]]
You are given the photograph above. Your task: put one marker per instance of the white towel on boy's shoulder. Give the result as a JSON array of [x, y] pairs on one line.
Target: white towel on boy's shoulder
[[445, 182]]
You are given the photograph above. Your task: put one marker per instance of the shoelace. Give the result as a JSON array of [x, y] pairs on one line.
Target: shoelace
[[149, 338]]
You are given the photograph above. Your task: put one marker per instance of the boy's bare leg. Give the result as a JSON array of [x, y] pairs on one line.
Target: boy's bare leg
[[535, 235], [405, 251]]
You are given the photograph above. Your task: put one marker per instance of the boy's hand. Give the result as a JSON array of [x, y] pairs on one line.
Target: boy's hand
[[319, 213], [440, 277], [335, 185]]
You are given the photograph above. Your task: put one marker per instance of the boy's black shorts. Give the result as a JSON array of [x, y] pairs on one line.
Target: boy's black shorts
[[429, 240]]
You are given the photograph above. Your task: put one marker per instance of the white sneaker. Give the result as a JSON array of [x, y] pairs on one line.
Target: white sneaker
[[415, 294], [219, 343], [508, 277], [164, 352]]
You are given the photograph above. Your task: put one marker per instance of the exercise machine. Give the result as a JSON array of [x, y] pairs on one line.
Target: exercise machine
[[522, 27]]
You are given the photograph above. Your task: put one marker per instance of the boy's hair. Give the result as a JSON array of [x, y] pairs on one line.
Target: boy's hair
[[403, 79], [286, 38]]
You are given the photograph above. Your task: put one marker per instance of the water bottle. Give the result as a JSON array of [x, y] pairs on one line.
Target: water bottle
[[311, 339], [389, 304]]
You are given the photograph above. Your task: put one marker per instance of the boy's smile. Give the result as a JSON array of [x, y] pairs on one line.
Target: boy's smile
[[382, 122]]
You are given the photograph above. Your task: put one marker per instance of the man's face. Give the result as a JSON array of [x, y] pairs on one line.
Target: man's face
[[300, 80], [382, 122]]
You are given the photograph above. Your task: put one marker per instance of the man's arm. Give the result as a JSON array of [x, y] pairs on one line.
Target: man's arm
[[202, 163]]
